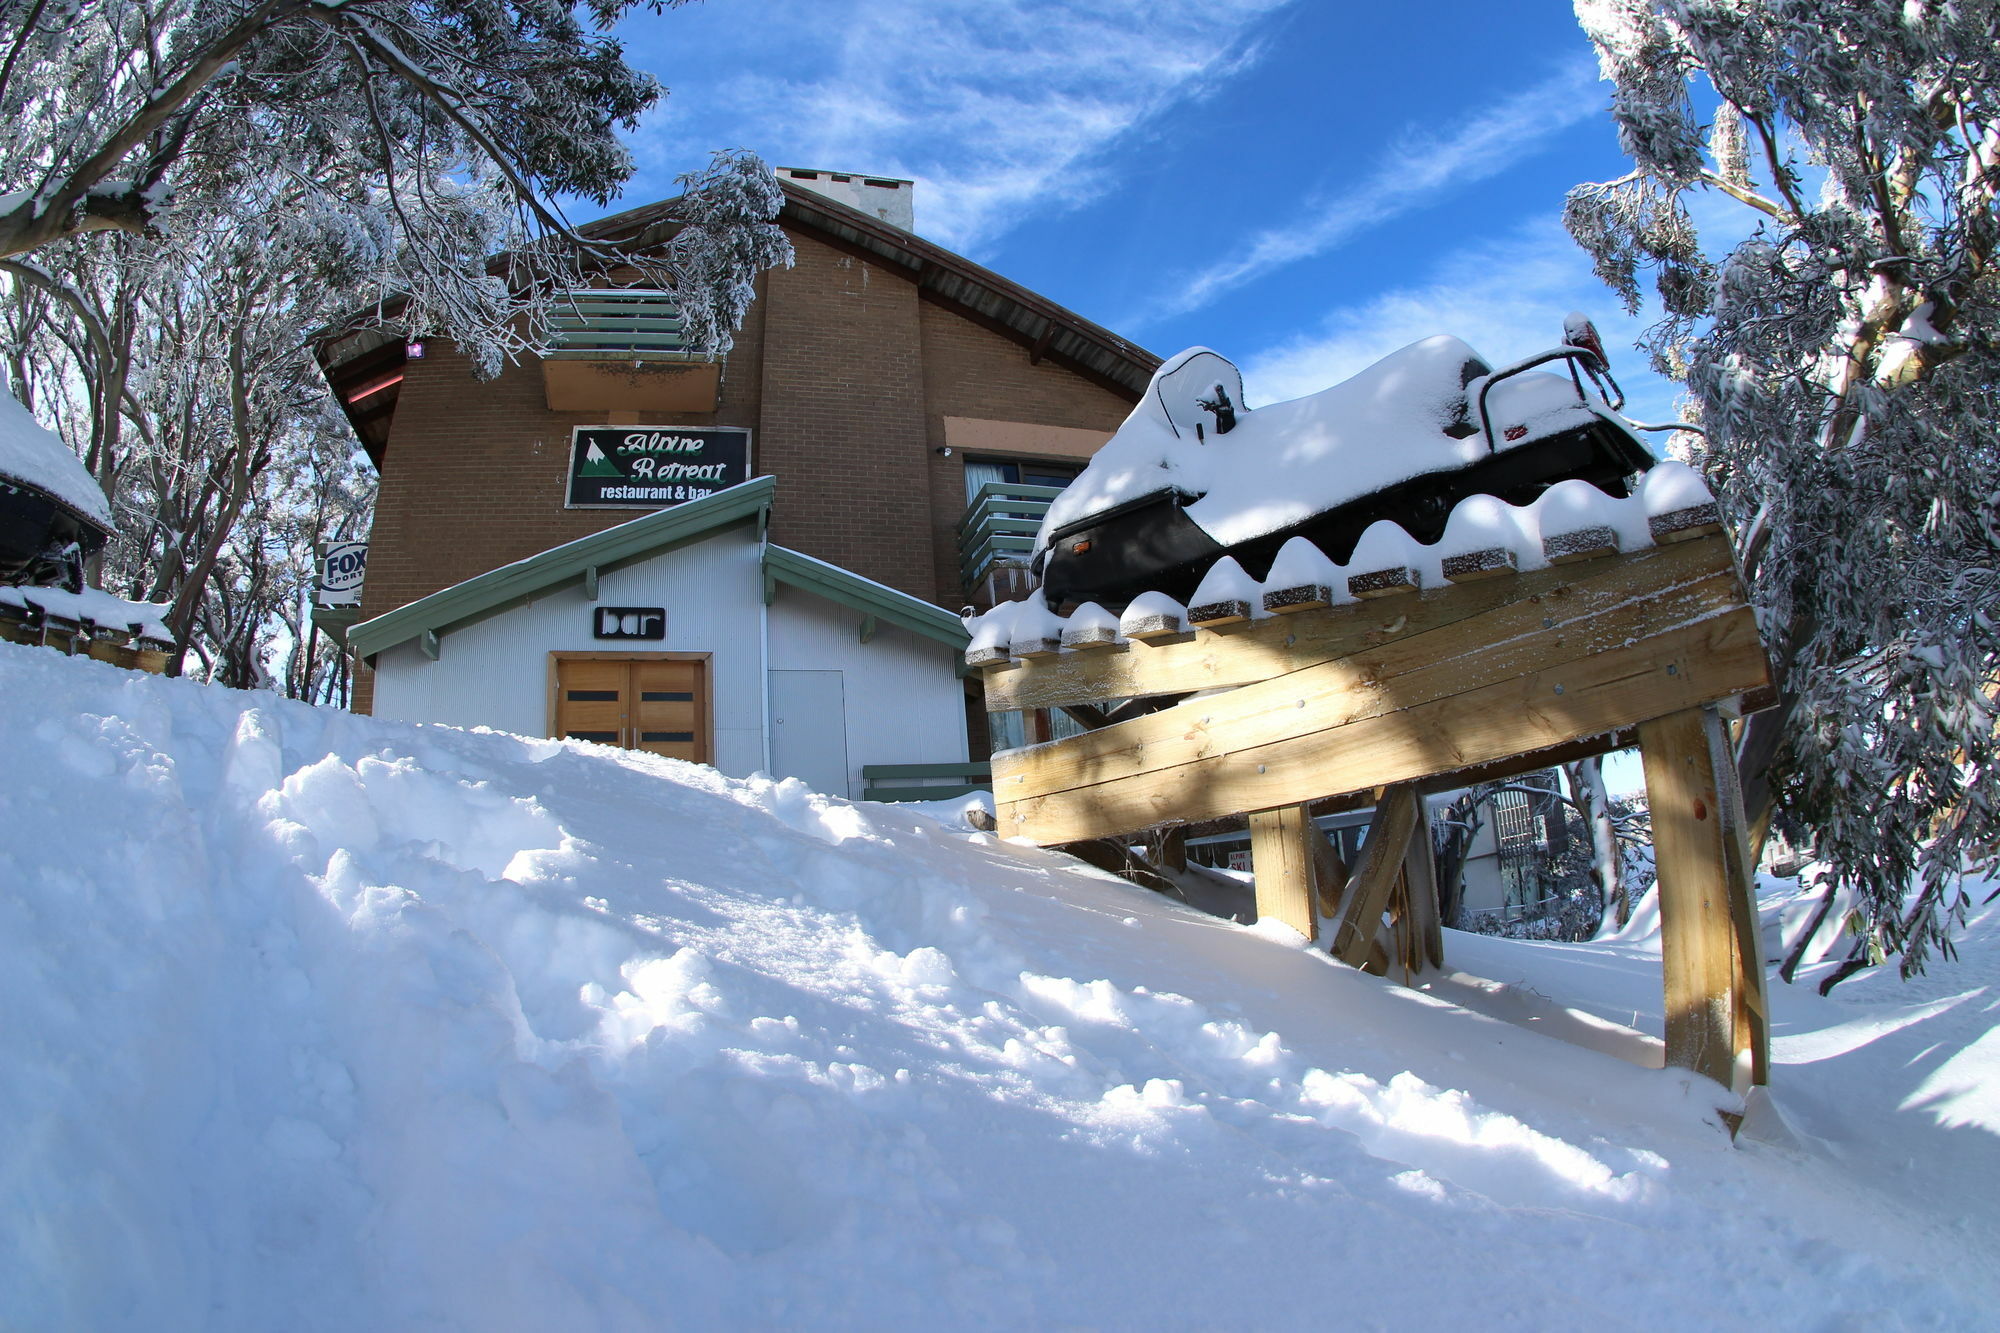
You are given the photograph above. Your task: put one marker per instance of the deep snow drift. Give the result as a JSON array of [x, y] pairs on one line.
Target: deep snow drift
[[319, 1022]]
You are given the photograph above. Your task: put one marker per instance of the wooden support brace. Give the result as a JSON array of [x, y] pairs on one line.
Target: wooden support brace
[[1382, 855], [1714, 979], [590, 583], [1753, 1001], [1426, 927], [1329, 876], [1281, 859]]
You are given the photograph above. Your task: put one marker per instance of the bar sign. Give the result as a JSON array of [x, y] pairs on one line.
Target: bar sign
[[628, 622]]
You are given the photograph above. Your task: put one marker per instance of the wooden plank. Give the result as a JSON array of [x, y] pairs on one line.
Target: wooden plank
[[1426, 927], [1239, 655], [1697, 938], [1591, 543], [1281, 860], [1200, 778], [962, 770], [1210, 614], [1680, 525], [1513, 640], [1329, 873], [1304, 597], [1395, 581], [1753, 1005], [1381, 864], [1492, 562]]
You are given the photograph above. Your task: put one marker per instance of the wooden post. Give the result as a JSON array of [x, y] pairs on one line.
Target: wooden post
[[1753, 1001], [1382, 856], [1705, 941], [1420, 874], [1329, 876], [1281, 859]]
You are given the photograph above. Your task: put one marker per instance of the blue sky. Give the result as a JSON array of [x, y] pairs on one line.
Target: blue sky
[[1303, 186]]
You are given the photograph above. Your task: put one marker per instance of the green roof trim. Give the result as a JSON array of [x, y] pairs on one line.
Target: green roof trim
[[783, 565], [512, 585]]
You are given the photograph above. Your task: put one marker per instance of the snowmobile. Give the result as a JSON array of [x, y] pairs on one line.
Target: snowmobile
[[53, 515], [1193, 475]]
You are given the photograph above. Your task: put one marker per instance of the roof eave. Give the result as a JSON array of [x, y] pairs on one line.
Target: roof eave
[[485, 595], [784, 565]]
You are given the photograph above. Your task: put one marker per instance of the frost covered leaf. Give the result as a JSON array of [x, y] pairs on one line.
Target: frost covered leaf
[[1841, 350]]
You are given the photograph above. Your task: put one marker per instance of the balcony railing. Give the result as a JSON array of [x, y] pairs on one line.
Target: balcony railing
[[603, 324], [926, 782], [999, 528]]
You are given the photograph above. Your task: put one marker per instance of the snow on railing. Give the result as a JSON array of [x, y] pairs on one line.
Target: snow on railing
[[1483, 537]]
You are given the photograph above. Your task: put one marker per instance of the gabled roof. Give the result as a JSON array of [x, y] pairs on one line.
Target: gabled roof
[[577, 562], [584, 560], [1049, 331], [871, 599], [364, 365]]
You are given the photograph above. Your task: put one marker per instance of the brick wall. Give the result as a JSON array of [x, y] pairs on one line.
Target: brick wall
[[475, 472], [844, 375], [970, 371], [843, 416]]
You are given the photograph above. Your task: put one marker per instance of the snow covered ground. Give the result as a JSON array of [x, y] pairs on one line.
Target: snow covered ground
[[319, 1022]]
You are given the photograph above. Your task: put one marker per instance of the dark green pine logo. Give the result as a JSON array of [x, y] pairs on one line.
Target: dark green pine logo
[[595, 464]]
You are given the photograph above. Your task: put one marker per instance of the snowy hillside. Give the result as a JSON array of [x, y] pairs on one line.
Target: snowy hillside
[[318, 1022]]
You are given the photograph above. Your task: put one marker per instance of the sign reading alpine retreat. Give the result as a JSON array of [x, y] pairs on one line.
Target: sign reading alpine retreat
[[654, 467]]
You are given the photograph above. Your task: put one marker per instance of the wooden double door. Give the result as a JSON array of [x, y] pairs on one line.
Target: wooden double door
[[656, 702]]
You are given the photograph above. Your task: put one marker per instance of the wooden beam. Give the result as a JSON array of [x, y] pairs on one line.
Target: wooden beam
[[1329, 873], [1753, 1004], [1351, 725], [1425, 926], [1368, 890], [1697, 934], [1260, 649], [1281, 860]]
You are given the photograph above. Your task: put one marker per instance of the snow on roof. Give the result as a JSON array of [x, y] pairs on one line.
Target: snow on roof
[[94, 606], [1285, 462], [1479, 523], [31, 453]]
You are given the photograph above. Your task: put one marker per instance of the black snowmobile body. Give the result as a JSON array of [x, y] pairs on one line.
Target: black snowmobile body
[[1150, 543]]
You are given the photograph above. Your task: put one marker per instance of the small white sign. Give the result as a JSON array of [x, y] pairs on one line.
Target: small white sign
[[342, 566]]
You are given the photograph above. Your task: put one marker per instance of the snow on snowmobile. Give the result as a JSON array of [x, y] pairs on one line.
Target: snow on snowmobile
[[1194, 475], [53, 514]]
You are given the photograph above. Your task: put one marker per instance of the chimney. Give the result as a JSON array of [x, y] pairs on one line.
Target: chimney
[[882, 197]]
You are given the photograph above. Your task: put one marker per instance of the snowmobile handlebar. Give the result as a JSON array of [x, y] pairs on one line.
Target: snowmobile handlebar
[[1592, 364]]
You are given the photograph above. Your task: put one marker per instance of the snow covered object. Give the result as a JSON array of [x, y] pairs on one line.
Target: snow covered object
[[53, 514], [1194, 475]]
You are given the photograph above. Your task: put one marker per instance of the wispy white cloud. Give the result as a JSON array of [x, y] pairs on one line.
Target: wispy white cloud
[[1507, 298], [1419, 167], [994, 107]]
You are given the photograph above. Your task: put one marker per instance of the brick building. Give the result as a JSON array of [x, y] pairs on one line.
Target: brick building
[[882, 382]]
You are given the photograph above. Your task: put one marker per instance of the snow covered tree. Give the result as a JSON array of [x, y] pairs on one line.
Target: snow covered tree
[[199, 188], [110, 111], [1839, 347]]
